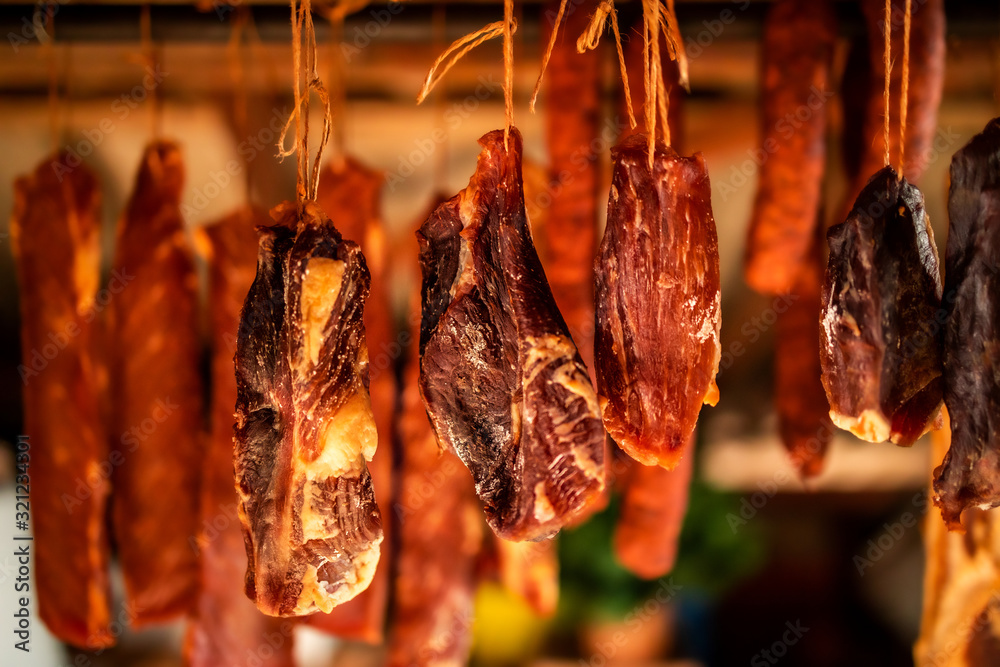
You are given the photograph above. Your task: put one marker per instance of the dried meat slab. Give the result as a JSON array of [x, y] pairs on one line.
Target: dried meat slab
[[970, 473], [351, 192], [799, 36], [158, 411], [226, 627], [502, 381], [880, 345], [657, 302], [55, 232], [304, 424]]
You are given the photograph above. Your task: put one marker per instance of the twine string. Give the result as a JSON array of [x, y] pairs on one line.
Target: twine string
[[592, 36]]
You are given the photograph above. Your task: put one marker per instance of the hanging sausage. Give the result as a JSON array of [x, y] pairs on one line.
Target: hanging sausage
[[798, 45]]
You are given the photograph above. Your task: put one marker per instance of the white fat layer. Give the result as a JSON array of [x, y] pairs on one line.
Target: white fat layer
[[869, 425], [320, 288]]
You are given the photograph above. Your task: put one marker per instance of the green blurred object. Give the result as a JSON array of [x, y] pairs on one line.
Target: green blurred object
[[711, 558], [506, 631]]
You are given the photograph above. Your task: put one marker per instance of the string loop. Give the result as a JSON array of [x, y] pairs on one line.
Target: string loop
[[592, 36]]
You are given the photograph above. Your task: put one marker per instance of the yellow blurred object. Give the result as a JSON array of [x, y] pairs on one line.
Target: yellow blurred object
[[506, 630]]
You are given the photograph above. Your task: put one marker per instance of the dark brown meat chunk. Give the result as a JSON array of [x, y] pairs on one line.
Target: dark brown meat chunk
[[798, 45], [503, 383], [440, 536], [351, 192], [226, 627], [158, 413], [652, 515], [657, 302], [803, 411], [881, 318], [970, 473], [572, 112], [304, 424], [55, 231]]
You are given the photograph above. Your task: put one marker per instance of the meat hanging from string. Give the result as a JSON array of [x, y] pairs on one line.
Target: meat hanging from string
[[880, 331], [155, 374], [968, 476], [503, 383], [304, 424], [55, 233], [657, 302]]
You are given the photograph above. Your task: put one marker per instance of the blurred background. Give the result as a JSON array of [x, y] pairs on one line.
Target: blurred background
[[768, 569]]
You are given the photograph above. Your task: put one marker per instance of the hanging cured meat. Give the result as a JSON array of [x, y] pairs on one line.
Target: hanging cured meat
[[652, 515], [961, 592], [572, 108], [799, 37], [225, 626], [803, 411], [657, 302], [304, 424], [880, 344], [55, 231], [352, 191], [968, 477], [157, 395], [503, 383], [926, 82], [440, 536]]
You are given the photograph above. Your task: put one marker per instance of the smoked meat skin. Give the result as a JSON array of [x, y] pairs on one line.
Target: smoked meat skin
[[304, 424], [657, 302], [970, 473], [502, 381]]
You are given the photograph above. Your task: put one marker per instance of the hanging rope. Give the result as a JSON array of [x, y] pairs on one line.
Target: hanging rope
[[149, 58], [548, 54], [592, 36], [50, 49], [887, 64], [455, 52], [508, 69], [304, 66], [905, 89]]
